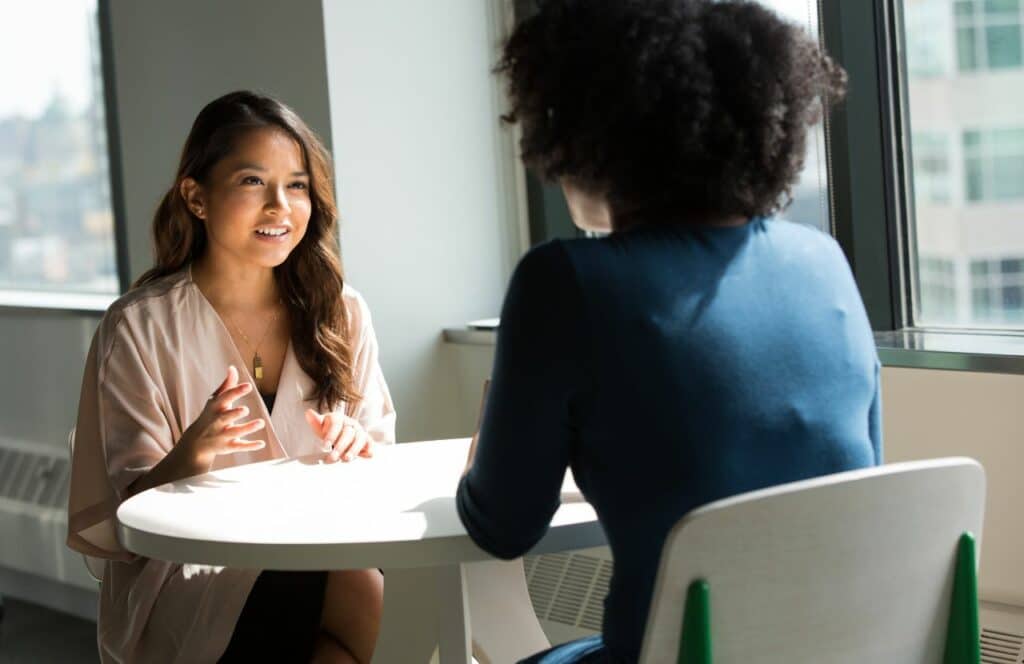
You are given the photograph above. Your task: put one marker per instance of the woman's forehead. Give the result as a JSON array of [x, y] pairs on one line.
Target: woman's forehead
[[266, 148]]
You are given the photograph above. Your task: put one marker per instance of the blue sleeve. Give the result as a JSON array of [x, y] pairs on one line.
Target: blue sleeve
[[875, 418], [508, 497]]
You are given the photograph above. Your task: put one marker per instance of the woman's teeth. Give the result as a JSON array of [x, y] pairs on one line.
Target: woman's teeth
[[272, 232]]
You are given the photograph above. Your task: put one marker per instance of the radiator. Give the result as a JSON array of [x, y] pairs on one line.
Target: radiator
[[33, 526]]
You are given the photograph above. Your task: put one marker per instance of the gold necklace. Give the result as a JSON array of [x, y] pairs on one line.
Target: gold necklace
[[257, 361]]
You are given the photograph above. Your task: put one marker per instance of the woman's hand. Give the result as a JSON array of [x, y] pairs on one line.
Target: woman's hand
[[216, 430], [343, 437]]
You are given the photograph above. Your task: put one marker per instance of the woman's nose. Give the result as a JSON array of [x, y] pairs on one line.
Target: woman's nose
[[279, 200]]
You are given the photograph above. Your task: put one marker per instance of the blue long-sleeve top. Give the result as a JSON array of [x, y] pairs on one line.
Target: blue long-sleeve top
[[668, 367]]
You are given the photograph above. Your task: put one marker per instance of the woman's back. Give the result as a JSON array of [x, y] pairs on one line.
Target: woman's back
[[679, 365]]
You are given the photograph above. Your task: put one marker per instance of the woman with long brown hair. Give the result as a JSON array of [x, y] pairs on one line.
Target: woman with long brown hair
[[242, 344]]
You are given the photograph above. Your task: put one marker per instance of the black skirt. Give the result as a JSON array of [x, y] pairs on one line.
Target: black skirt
[[280, 621]]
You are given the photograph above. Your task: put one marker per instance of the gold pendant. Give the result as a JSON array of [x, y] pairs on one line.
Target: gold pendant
[[257, 367]]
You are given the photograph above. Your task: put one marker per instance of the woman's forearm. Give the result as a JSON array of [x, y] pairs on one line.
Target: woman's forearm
[[180, 462]]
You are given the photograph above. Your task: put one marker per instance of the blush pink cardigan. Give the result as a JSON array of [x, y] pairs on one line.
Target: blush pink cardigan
[[159, 352]]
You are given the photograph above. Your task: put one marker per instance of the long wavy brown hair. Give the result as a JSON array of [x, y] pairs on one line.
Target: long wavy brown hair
[[310, 279]]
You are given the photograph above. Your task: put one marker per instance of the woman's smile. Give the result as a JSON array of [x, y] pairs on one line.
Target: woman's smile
[[272, 233]]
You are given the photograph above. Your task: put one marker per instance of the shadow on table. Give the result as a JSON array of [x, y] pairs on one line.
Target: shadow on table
[[190, 484]]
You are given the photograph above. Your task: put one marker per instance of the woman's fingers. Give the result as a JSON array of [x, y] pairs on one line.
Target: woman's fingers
[[316, 422], [228, 417], [235, 446], [367, 451], [342, 442], [228, 396], [334, 424], [359, 442], [244, 429], [230, 380]]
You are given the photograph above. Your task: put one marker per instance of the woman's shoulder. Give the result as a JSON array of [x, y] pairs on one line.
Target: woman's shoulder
[[356, 309], [156, 299], [780, 229]]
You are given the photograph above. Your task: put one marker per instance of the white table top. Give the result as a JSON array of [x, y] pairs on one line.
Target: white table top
[[392, 511]]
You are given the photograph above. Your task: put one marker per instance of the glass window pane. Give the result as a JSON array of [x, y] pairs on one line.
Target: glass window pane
[[964, 9], [1002, 43], [56, 223], [1002, 6], [810, 204], [1007, 178], [966, 49], [975, 180], [977, 231]]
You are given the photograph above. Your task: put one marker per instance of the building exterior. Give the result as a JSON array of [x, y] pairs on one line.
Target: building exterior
[[965, 67]]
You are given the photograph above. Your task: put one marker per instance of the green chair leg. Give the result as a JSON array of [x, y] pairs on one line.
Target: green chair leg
[[963, 635], [695, 642]]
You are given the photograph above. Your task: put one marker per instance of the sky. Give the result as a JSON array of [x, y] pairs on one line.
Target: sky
[[44, 47]]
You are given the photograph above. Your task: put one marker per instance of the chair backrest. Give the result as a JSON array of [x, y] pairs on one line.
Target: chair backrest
[[848, 568], [93, 565]]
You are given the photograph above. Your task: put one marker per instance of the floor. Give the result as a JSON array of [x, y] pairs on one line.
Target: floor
[[31, 634]]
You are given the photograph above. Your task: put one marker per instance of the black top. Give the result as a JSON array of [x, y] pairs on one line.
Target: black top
[[269, 400]]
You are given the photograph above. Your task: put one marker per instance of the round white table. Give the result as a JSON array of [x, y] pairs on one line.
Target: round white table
[[395, 511]]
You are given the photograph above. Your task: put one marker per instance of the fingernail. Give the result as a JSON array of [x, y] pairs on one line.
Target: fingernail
[[348, 457]]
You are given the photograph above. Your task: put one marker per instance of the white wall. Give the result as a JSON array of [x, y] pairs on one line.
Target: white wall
[[929, 413], [428, 235]]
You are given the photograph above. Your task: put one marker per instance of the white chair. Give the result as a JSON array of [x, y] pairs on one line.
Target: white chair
[[93, 565], [848, 568]]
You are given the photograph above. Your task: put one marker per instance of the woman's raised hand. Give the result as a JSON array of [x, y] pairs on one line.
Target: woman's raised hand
[[216, 430], [342, 436]]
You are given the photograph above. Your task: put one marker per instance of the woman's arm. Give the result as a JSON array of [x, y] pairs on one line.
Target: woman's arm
[[213, 433], [531, 415]]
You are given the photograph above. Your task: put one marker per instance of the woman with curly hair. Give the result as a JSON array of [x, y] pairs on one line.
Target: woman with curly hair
[[705, 347], [242, 344]]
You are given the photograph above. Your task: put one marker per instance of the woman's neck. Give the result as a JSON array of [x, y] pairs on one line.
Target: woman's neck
[[235, 287]]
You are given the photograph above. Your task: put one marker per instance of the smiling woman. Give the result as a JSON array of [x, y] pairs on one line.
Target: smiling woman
[[247, 276]]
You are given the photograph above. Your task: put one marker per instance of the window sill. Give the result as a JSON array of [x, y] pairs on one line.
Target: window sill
[[984, 352], [978, 351], [71, 303]]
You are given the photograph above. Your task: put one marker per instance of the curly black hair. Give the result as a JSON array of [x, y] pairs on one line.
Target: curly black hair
[[674, 110]]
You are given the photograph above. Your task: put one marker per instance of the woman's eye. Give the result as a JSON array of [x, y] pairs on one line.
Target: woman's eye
[[251, 179], [299, 185]]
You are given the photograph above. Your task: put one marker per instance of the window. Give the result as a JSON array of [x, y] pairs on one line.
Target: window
[[933, 183], [931, 53], [56, 219], [938, 288], [966, 129], [994, 164], [810, 204], [988, 34], [997, 290]]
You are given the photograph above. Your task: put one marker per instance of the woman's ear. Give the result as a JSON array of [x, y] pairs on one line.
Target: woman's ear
[[590, 212], [192, 193]]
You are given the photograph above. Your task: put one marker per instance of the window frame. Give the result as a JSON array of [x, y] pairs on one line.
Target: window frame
[[871, 182], [867, 174], [51, 300]]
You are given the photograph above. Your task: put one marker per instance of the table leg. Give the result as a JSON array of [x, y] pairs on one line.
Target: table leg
[[453, 605], [504, 625], [409, 625]]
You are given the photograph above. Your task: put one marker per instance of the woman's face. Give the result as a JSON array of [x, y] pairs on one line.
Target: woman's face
[[255, 203]]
